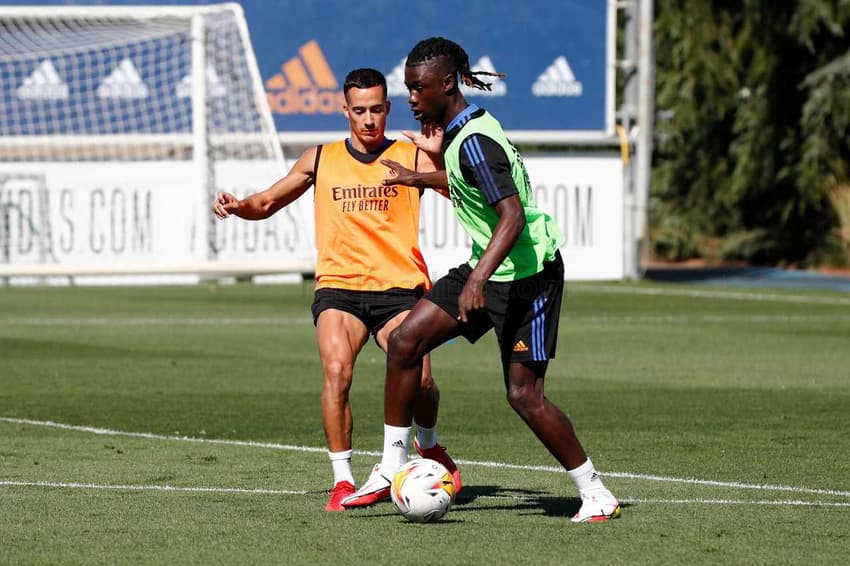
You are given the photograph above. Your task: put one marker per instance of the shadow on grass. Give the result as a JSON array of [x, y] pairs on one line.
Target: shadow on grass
[[525, 501], [495, 497]]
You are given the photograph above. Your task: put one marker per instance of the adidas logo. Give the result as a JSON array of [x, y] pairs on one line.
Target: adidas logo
[[305, 85], [398, 444], [44, 83], [395, 80], [557, 80], [497, 86], [215, 88], [520, 347], [123, 82]]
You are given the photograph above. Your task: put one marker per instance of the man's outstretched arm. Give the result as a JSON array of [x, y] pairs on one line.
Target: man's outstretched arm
[[265, 203]]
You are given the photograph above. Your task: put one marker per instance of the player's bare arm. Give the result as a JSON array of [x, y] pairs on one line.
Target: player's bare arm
[[426, 175], [430, 171], [265, 203], [511, 223]]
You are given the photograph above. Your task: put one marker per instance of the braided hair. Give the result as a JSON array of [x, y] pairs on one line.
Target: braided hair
[[435, 47]]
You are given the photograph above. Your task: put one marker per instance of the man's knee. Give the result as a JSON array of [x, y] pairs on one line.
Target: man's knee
[[402, 346], [523, 398], [338, 374]]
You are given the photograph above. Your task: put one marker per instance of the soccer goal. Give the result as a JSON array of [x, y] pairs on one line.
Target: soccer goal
[[117, 126]]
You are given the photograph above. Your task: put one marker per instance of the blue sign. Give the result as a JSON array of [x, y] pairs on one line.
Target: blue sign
[[555, 55]]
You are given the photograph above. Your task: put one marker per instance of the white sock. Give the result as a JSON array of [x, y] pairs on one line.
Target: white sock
[[341, 464], [426, 437], [586, 477], [396, 446]]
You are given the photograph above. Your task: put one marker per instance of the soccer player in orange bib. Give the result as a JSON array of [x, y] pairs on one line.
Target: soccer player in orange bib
[[369, 270]]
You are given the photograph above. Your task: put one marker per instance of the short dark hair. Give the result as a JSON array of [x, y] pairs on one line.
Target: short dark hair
[[364, 78], [435, 47]]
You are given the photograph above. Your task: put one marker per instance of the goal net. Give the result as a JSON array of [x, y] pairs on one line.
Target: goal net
[[117, 126]]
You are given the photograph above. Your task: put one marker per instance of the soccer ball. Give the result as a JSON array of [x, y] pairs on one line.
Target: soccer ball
[[423, 490]]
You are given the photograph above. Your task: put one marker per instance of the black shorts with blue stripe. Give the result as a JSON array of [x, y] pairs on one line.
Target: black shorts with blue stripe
[[524, 313]]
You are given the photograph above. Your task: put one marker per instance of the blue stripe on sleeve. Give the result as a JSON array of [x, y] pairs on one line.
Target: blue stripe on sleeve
[[472, 148]]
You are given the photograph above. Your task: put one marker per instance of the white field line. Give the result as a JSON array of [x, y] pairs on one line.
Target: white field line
[[151, 436], [790, 503], [260, 491], [649, 477], [706, 294], [503, 465], [76, 485], [733, 485]]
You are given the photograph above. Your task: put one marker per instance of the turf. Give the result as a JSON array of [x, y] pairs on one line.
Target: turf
[[718, 416]]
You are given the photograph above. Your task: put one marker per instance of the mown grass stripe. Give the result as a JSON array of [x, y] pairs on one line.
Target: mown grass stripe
[[504, 465]]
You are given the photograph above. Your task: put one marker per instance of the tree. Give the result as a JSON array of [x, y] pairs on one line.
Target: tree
[[740, 168], [825, 123]]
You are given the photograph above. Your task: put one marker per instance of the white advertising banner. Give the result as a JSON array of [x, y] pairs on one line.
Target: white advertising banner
[[140, 215], [151, 215], [583, 194], [287, 237], [97, 214]]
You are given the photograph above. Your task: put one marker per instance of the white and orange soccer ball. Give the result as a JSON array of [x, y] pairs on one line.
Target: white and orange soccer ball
[[423, 490]]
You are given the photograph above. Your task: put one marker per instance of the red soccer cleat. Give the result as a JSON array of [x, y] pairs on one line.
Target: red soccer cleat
[[439, 454], [339, 492]]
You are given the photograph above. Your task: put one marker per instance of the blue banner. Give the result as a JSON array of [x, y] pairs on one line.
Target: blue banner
[[554, 54]]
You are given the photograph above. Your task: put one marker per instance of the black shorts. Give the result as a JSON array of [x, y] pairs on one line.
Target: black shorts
[[524, 313], [373, 308]]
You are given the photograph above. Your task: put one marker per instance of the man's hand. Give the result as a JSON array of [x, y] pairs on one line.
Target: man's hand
[[225, 204], [429, 138], [401, 174], [472, 297]]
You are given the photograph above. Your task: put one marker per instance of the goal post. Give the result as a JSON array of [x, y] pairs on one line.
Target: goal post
[[117, 126]]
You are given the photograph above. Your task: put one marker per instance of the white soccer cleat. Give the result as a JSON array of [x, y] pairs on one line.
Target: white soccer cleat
[[596, 506], [376, 489]]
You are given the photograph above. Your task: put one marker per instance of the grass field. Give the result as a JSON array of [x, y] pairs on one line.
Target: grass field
[[181, 425]]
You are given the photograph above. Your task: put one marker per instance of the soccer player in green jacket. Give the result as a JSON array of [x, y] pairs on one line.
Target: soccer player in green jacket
[[513, 282]]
